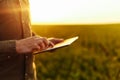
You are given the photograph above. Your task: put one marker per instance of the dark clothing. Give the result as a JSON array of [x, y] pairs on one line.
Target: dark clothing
[[15, 25]]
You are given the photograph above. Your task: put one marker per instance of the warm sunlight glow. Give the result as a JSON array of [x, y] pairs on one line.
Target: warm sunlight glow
[[75, 11]]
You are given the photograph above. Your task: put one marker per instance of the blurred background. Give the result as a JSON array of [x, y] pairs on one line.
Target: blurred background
[[95, 55]]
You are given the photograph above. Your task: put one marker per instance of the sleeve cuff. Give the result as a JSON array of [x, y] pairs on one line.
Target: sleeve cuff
[[8, 46]]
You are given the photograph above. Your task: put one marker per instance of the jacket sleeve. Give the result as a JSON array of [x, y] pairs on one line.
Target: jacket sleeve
[[8, 46]]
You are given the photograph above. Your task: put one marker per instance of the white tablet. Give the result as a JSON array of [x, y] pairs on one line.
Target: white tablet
[[59, 45]]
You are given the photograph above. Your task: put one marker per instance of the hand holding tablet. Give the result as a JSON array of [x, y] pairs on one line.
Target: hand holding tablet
[[66, 42]]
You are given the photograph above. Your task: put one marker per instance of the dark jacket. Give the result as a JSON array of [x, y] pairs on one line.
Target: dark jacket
[[15, 25]]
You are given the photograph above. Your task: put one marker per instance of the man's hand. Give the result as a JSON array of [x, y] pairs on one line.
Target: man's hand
[[32, 44], [55, 40]]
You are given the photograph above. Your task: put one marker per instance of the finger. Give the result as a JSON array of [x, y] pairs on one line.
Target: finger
[[36, 48], [46, 42], [56, 40], [39, 41], [50, 44], [41, 44], [59, 40]]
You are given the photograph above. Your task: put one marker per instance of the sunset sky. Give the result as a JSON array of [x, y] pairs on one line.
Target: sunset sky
[[75, 11]]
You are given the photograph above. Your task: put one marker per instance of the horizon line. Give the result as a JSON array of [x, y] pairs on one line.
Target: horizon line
[[117, 23]]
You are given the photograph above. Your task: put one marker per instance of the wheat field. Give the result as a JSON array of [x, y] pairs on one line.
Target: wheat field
[[94, 56]]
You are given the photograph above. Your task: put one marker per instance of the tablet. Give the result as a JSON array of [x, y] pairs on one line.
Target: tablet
[[66, 42]]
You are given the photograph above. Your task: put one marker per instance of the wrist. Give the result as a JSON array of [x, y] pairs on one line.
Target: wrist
[[17, 46]]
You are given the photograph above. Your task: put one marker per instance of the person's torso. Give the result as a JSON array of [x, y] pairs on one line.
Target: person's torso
[[14, 19], [14, 25]]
